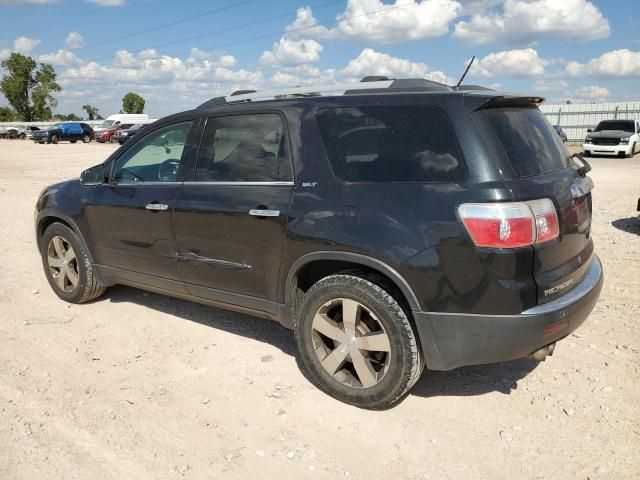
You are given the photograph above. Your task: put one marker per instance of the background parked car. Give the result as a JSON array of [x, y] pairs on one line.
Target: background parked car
[[560, 133], [71, 131], [21, 132], [104, 136], [125, 134], [613, 137]]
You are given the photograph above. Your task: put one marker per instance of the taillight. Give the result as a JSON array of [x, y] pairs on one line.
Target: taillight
[[510, 225], [547, 226]]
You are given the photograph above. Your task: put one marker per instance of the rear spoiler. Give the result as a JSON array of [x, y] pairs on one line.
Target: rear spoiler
[[510, 101]]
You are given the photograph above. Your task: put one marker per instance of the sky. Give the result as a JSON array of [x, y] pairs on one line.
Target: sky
[[180, 53]]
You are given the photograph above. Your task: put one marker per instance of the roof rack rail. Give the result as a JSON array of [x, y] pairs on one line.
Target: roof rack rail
[[374, 78], [241, 92], [367, 85]]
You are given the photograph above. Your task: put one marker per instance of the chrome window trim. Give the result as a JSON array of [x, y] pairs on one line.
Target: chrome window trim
[[250, 184], [139, 184]]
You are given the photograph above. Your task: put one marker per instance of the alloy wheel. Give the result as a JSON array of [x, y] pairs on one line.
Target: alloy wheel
[[351, 343], [63, 264]]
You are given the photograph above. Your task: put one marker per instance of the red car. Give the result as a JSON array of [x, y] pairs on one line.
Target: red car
[[104, 136]]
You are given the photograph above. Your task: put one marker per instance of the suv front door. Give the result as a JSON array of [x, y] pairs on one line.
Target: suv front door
[[131, 216], [230, 221]]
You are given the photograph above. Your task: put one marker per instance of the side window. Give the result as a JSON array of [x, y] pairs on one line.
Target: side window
[[155, 157], [391, 144], [243, 148]]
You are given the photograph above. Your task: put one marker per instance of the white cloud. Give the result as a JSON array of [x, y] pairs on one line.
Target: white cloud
[[288, 51], [617, 63], [25, 44], [524, 21], [544, 85], [370, 62], [166, 82], [592, 92], [476, 6], [61, 58], [412, 20], [517, 63], [4, 53], [306, 25], [74, 40], [108, 3]]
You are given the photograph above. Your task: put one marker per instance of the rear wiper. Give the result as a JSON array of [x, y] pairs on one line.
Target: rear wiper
[[585, 168]]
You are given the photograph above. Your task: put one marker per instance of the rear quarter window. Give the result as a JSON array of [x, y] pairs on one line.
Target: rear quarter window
[[391, 144], [524, 139]]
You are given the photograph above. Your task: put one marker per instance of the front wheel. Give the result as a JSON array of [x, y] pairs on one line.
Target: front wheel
[[356, 341], [67, 265], [22, 136], [73, 141], [55, 139], [633, 151]]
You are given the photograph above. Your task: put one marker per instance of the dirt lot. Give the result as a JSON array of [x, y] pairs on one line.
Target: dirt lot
[[138, 385]]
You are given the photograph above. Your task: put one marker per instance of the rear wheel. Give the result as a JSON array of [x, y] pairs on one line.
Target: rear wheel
[[356, 342], [54, 139], [22, 136], [67, 265], [86, 139], [73, 141]]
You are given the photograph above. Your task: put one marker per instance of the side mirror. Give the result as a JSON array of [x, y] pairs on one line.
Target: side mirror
[[589, 130], [94, 176]]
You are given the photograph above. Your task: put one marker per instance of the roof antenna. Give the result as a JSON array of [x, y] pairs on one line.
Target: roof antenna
[[465, 72]]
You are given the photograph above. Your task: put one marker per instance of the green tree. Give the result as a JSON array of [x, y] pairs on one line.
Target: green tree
[[132, 103], [29, 87], [7, 115], [92, 112], [70, 117]]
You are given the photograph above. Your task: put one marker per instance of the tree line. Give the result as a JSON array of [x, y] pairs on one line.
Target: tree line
[[30, 89]]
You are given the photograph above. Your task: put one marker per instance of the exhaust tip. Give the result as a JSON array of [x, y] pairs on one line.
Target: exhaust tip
[[541, 355]]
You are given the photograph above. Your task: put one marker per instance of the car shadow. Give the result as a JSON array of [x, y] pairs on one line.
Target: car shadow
[[629, 224], [259, 329], [475, 380], [466, 381]]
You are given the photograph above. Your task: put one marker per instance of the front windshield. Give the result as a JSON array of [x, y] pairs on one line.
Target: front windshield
[[624, 125], [107, 123]]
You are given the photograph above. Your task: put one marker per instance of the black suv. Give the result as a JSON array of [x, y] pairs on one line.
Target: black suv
[[399, 225], [71, 131]]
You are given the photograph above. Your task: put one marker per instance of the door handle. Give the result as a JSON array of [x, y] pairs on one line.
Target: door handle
[[157, 206], [264, 212]]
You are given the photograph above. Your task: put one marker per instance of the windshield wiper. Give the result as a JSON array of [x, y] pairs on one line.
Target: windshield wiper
[[585, 168]]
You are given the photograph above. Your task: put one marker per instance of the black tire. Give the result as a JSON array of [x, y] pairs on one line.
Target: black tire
[[86, 139], [73, 141], [586, 153], [54, 139], [87, 287], [633, 151], [405, 362], [22, 136]]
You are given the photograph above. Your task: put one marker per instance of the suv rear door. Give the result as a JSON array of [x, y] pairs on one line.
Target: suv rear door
[[230, 219], [535, 164]]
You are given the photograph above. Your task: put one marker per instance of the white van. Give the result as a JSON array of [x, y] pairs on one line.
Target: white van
[[117, 119]]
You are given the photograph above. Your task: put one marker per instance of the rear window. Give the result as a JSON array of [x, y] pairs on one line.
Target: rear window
[[391, 144], [530, 144]]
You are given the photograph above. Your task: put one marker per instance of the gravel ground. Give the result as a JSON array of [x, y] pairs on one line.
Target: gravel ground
[[138, 385]]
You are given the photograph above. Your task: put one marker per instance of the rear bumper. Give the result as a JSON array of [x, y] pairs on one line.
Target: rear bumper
[[606, 149], [451, 340]]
